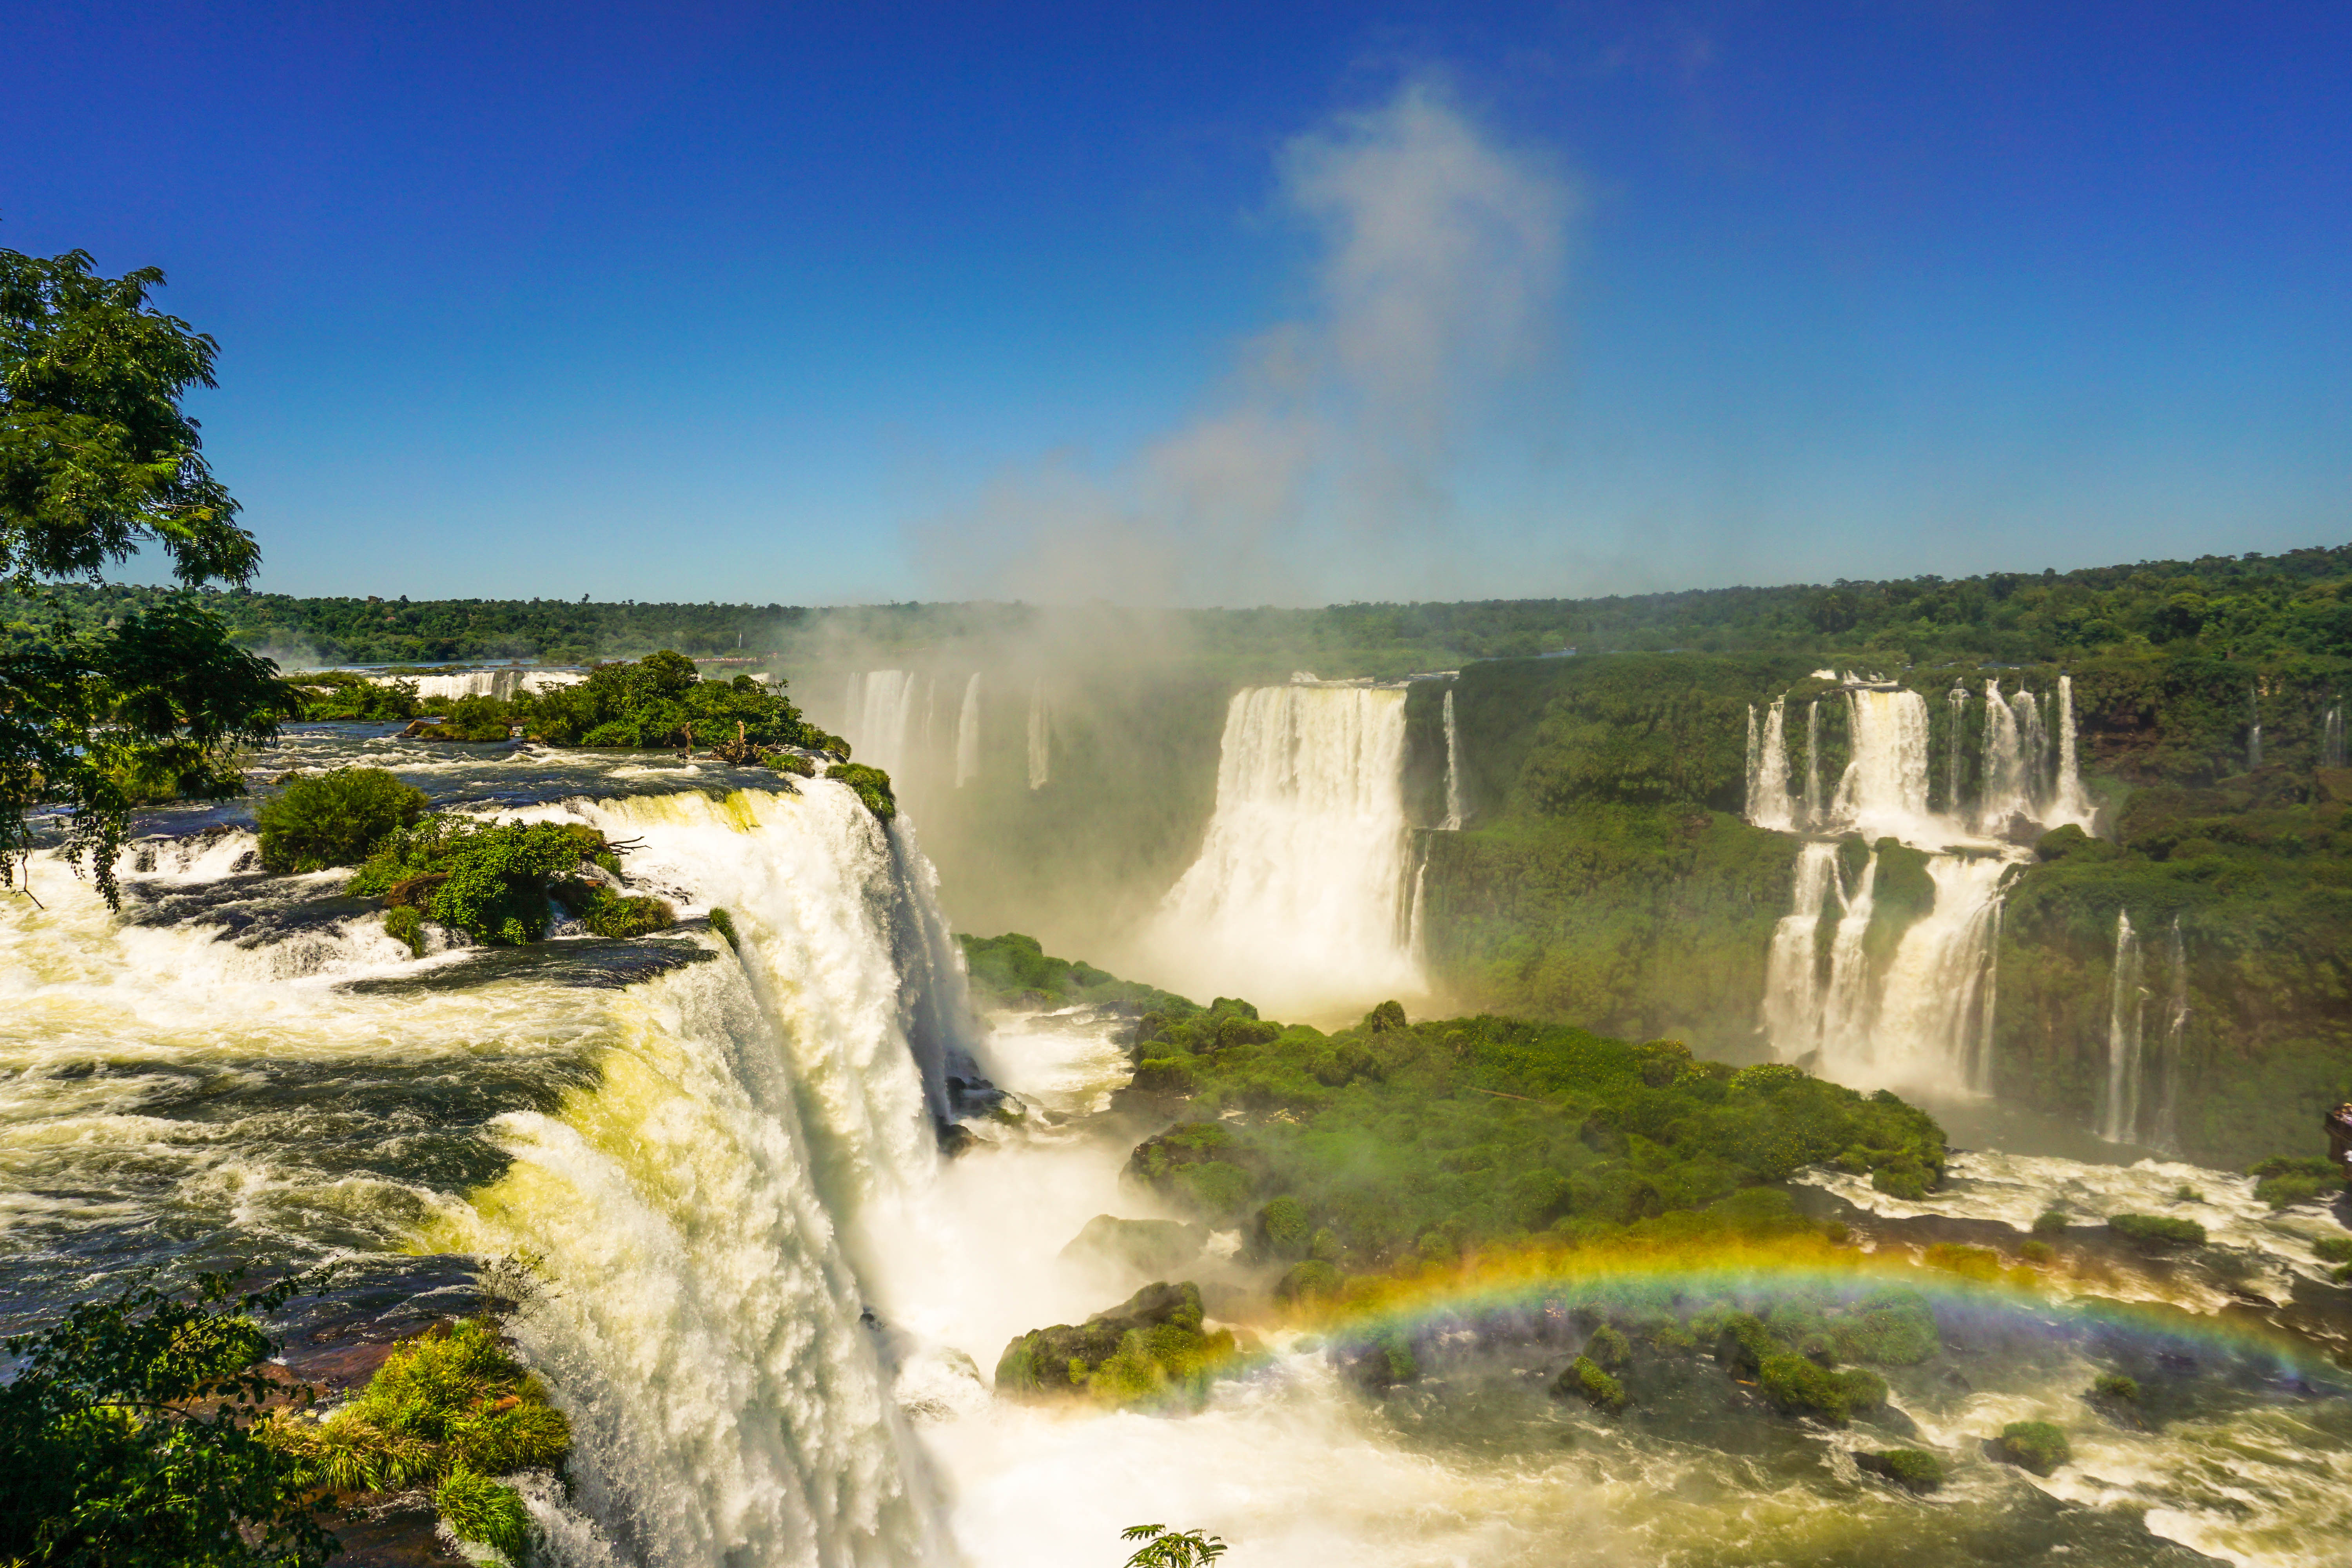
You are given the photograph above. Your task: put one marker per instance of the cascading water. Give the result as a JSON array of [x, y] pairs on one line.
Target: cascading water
[[2005, 794], [2069, 803], [2331, 738], [1793, 988], [2033, 751], [1768, 802], [882, 703], [2253, 730], [1847, 1003], [1453, 823], [967, 752], [1884, 792], [2126, 1016], [1956, 703], [1041, 738], [1935, 1005], [1298, 898], [503, 684], [2173, 1062], [1813, 764]]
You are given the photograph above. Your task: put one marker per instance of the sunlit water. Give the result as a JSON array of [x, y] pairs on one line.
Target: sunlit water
[[772, 1309]]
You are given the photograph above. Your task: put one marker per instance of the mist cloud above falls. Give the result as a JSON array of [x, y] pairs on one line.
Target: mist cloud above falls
[[1440, 253]]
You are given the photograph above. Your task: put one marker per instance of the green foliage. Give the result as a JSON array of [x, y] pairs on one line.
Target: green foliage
[[2150, 1230], [478, 1509], [2284, 1180], [1914, 1469], [403, 923], [1165, 1548], [608, 913], [1311, 1280], [724, 924], [1608, 1348], [2115, 1385], [2041, 1254], [454, 1399], [1425, 1140], [872, 785], [1585, 1379], [494, 879], [1150, 1352], [1015, 970], [347, 696], [1798, 1385], [131, 1436], [2333, 1249], [2050, 1223], [333, 818], [2035, 1445], [1282, 1229]]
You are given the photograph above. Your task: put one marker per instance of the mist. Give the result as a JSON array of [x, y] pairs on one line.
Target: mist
[[1328, 459]]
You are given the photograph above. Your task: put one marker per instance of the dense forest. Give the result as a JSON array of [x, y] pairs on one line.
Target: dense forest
[[2249, 606]]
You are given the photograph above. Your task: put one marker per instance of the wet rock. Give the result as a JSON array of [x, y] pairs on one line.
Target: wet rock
[[1151, 1246]]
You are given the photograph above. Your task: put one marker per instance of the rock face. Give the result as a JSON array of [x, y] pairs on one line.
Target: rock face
[[1150, 1350], [1147, 1247]]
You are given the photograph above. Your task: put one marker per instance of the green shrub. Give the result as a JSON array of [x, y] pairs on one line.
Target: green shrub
[[2284, 1180], [2035, 1445], [476, 1508], [1312, 1280], [2050, 1223], [792, 762], [403, 923], [2149, 1230], [1905, 1181], [1799, 1387], [2115, 1385], [1586, 1381], [2333, 1249], [492, 881], [724, 924], [872, 785], [608, 913], [1283, 1231], [1914, 1469], [1608, 1348], [1978, 1263], [333, 818], [2041, 1254]]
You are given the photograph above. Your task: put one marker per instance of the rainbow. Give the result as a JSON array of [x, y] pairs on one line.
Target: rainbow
[[1642, 1278]]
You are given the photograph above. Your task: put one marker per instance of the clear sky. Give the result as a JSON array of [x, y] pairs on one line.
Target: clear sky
[[1223, 304]]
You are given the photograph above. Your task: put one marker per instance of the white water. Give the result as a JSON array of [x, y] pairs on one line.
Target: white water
[[1453, 823], [2068, 802], [2166, 1138], [1041, 738], [1768, 802], [1884, 792], [501, 684], [1298, 898], [1934, 1023], [2126, 1026], [1792, 985], [881, 705], [2331, 740], [966, 752], [1848, 1005], [1957, 702], [1813, 764]]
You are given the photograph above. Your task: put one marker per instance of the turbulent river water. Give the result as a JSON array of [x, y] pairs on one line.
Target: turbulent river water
[[771, 1306]]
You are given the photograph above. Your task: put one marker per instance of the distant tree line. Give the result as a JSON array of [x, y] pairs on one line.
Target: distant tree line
[[2248, 606]]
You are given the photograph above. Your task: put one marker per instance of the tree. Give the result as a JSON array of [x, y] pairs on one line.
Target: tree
[[1166, 1548], [127, 1437], [97, 460]]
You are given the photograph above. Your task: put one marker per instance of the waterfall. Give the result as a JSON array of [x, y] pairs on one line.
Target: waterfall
[[1452, 768], [2172, 1059], [1883, 791], [1041, 738], [967, 755], [1297, 898], [1768, 773], [1935, 1010], [2032, 753], [1957, 702], [2253, 730], [2331, 740], [2069, 803], [2126, 1008], [503, 684], [2004, 786], [1813, 762], [1792, 999], [1846, 1004], [882, 702]]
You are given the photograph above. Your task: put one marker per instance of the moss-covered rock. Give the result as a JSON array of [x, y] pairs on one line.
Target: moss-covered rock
[[1608, 1348], [1150, 1351], [2035, 1445], [2156, 1232], [2283, 1181], [1585, 1380], [1151, 1246], [1914, 1469]]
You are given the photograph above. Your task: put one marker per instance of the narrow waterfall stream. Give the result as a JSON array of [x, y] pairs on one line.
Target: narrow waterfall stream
[[1453, 823]]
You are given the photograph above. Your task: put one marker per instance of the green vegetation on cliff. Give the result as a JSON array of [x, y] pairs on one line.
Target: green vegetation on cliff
[[1015, 970], [333, 818], [499, 882], [1151, 1350], [1427, 1141]]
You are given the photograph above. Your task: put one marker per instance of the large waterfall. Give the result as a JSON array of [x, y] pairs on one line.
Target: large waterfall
[[1453, 823], [966, 752], [503, 684], [1300, 896], [1884, 792], [1769, 802]]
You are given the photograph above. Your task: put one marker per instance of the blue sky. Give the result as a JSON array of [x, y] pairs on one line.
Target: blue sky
[[1224, 303]]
